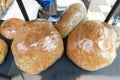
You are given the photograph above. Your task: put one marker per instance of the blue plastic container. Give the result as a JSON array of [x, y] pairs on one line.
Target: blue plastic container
[[46, 3]]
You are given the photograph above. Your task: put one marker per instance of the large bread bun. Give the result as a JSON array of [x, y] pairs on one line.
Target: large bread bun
[[10, 26], [92, 45], [71, 18], [36, 46], [3, 50]]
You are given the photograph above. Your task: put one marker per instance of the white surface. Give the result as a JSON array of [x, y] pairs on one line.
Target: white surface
[[63, 4], [111, 2], [96, 77], [27, 77], [105, 8], [31, 7], [95, 16]]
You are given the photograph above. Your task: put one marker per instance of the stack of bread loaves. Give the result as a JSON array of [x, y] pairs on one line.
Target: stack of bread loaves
[[37, 44], [91, 44]]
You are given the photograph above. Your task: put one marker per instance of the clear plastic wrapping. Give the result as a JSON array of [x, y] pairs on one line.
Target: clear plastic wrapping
[[4, 6]]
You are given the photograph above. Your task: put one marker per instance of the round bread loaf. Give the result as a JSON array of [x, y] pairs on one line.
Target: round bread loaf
[[92, 45], [36, 46], [9, 27], [71, 18], [3, 50]]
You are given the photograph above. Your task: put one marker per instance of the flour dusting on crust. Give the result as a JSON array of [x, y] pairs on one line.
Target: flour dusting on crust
[[48, 43], [86, 45], [35, 44], [11, 31], [54, 35], [21, 46]]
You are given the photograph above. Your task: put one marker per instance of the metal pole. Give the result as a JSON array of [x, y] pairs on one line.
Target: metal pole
[[112, 11], [87, 3], [22, 8]]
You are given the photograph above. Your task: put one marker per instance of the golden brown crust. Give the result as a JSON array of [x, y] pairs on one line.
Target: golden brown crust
[[91, 45], [10, 26], [8, 3], [37, 46], [3, 50], [71, 18], [4, 4], [116, 33]]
